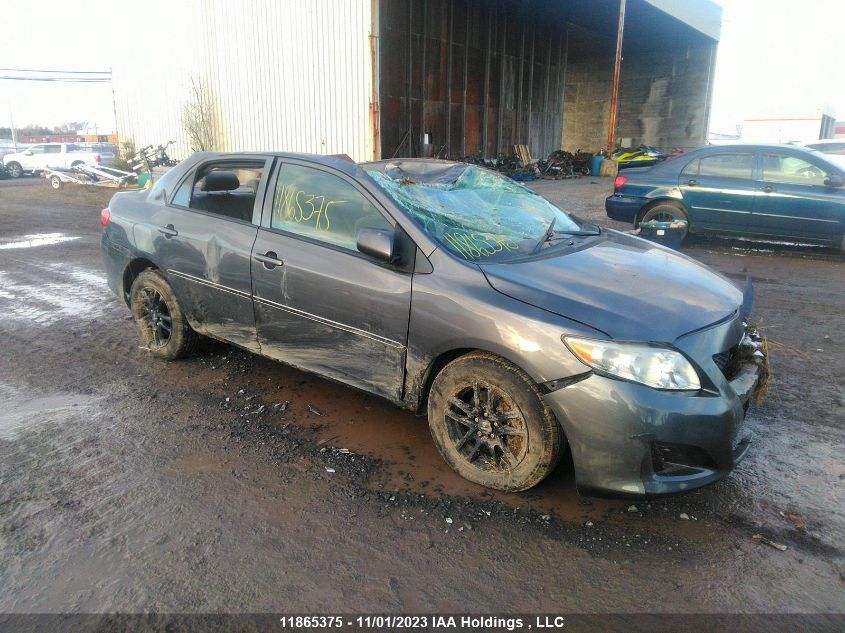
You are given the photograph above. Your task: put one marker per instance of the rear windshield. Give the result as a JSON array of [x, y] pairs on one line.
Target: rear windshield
[[473, 212]]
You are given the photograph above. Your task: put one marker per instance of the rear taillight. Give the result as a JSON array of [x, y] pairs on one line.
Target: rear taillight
[[105, 216], [97, 158], [620, 180]]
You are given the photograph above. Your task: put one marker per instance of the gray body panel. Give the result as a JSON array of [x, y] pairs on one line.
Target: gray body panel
[[385, 329]]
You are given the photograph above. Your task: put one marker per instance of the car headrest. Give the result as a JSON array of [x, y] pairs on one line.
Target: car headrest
[[220, 181]]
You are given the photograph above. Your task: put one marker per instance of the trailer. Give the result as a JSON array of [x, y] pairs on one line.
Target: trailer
[[92, 176]]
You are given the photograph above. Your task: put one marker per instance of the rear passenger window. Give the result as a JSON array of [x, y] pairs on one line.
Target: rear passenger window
[[691, 169], [315, 204], [225, 189], [728, 166]]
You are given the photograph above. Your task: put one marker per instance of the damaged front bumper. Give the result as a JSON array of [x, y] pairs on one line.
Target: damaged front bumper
[[631, 440]]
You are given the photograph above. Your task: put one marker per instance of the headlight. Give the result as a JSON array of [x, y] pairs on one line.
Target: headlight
[[655, 367]]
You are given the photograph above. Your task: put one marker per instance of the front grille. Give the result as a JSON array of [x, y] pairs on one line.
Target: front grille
[[728, 362]]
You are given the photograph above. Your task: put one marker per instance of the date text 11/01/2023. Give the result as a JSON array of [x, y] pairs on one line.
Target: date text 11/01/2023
[[543, 622]]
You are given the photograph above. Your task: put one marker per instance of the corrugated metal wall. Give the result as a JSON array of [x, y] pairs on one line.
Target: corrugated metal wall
[[285, 75], [475, 75]]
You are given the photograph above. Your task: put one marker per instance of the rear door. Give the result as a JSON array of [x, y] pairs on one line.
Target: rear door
[[320, 304], [793, 201], [719, 190], [203, 240], [52, 156]]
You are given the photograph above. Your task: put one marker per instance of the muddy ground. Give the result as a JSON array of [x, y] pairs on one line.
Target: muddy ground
[[131, 484]]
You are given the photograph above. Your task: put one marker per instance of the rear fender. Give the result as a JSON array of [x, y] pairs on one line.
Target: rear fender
[[665, 193]]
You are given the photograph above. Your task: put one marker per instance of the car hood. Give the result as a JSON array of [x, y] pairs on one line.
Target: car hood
[[627, 287]]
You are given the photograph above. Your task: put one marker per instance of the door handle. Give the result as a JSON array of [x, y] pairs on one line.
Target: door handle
[[767, 189], [269, 259], [692, 183], [168, 231]]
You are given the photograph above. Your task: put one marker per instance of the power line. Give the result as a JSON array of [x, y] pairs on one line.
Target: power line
[[67, 72], [80, 80]]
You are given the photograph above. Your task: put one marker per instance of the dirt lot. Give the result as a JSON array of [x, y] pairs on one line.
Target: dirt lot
[[130, 484]]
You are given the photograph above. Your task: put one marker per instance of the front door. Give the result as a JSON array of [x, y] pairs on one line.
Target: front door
[[719, 190], [33, 158], [203, 240], [320, 304], [793, 201]]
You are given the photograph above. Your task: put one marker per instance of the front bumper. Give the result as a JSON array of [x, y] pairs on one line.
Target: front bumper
[[630, 440]]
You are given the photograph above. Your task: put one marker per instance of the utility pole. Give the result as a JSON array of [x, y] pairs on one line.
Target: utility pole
[[113, 100], [14, 134], [614, 86]]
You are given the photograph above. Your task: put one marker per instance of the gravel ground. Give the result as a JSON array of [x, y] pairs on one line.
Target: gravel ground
[[129, 484]]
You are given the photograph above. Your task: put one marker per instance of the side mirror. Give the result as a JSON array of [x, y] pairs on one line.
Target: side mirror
[[27, 153], [377, 243], [834, 180]]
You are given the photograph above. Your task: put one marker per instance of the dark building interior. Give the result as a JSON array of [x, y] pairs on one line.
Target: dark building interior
[[460, 77]]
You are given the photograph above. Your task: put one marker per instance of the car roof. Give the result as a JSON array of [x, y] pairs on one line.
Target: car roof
[[751, 147], [341, 162]]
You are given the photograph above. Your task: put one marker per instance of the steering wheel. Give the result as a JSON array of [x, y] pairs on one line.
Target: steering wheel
[[810, 171]]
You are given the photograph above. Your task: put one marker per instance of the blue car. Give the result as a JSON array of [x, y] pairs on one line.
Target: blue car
[[763, 191]]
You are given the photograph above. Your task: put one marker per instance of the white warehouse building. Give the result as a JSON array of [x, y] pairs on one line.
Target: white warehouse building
[[381, 78]]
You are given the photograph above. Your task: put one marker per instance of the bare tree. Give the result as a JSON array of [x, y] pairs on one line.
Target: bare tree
[[199, 118]]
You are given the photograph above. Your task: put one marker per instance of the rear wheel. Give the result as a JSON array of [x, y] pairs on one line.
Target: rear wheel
[[490, 424], [15, 170], [666, 212], [56, 182], [159, 318]]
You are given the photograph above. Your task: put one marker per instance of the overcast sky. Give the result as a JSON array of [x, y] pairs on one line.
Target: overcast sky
[[778, 57], [775, 56]]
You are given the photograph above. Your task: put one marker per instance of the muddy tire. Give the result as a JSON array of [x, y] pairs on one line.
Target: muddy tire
[[159, 318], [490, 424], [15, 170], [666, 212]]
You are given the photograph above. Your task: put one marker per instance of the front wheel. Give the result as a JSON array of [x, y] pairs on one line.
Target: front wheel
[[159, 318], [15, 170], [490, 424]]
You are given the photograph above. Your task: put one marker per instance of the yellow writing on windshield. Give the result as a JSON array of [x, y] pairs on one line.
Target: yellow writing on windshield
[[297, 205], [478, 245]]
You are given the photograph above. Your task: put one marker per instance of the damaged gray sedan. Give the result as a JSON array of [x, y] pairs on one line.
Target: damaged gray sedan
[[456, 292]]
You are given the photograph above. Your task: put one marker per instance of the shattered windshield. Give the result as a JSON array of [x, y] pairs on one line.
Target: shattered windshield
[[476, 213]]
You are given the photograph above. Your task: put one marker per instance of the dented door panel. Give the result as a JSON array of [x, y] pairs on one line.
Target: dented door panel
[[335, 313]]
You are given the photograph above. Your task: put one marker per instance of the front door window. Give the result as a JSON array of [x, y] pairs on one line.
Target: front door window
[[318, 205], [789, 169]]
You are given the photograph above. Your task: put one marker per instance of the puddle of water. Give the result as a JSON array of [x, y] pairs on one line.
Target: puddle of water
[[29, 413], [65, 292], [36, 240]]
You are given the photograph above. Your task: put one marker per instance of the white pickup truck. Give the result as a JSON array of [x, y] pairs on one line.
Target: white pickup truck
[[37, 158]]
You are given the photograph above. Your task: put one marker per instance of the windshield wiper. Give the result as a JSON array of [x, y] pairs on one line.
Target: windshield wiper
[[577, 233], [596, 230], [549, 234]]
